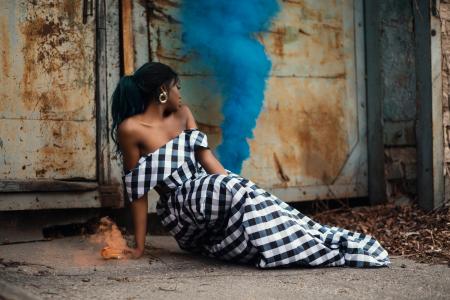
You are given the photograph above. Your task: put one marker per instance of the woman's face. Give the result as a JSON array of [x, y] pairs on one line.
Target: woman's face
[[174, 95]]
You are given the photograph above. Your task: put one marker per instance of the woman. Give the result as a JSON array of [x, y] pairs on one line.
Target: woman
[[207, 208]]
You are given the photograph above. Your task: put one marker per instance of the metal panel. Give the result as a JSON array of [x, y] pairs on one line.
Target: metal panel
[[430, 147], [54, 200], [396, 37], [310, 139], [375, 145], [47, 107]]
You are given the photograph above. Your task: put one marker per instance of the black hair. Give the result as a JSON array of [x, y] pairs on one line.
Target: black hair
[[135, 92]]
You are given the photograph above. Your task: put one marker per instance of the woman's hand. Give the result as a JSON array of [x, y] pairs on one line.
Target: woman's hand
[[133, 252]]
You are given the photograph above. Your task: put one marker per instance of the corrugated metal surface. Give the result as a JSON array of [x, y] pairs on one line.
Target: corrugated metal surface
[[47, 91], [310, 139]]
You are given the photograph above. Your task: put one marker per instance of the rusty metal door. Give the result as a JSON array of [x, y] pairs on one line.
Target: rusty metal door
[[310, 139], [47, 91]]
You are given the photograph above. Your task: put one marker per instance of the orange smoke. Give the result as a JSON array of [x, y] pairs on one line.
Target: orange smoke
[[109, 234]]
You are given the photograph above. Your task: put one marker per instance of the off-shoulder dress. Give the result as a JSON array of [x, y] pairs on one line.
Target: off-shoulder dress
[[231, 218]]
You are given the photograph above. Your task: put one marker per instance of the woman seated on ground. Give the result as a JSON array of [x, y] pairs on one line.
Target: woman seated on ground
[[207, 208]]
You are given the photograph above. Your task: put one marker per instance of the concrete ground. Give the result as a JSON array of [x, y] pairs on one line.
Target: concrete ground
[[71, 268]]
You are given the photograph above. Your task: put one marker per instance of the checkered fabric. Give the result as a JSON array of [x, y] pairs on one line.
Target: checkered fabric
[[231, 218]]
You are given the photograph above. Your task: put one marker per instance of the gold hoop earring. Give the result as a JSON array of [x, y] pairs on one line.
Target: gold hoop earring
[[163, 97]]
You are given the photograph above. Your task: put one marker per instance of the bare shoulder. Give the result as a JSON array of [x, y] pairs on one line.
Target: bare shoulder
[[187, 116], [127, 126], [127, 130], [184, 110], [127, 137]]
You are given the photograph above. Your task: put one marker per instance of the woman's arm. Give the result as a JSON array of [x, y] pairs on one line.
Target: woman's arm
[[205, 156], [130, 151], [209, 162], [139, 208]]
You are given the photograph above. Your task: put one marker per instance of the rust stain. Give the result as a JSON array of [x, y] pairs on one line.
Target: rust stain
[[156, 10], [52, 160], [332, 76], [279, 41], [58, 155], [306, 11], [299, 2], [58, 83], [51, 46], [312, 31], [337, 41], [279, 169], [70, 7], [323, 141], [57, 133], [167, 3], [159, 49], [330, 26], [303, 32], [4, 46], [208, 128], [40, 173], [307, 125], [330, 38]]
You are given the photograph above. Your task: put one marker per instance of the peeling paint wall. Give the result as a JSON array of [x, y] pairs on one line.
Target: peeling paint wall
[[398, 83], [47, 91], [444, 13], [310, 138]]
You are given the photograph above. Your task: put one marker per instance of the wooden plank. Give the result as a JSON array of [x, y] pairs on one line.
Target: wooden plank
[[127, 36], [109, 189], [429, 103], [140, 33], [318, 192], [437, 110], [103, 159], [111, 195], [46, 200], [14, 186], [113, 61], [375, 146]]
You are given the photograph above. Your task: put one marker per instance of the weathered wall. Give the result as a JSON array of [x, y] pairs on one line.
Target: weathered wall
[[445, 39], [52, 121], [310, 138], [47, 91], [399, 97]]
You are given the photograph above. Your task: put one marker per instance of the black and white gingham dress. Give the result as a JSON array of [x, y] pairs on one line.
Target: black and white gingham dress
[[231, 218]]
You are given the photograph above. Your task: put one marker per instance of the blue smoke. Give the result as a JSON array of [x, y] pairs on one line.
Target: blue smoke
[[222, 34]]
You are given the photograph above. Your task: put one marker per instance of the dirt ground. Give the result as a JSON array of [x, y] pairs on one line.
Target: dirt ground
[[71, 268]]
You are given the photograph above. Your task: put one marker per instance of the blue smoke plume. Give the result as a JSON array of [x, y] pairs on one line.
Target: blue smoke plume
[[222, 34]]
